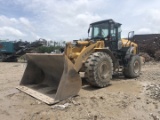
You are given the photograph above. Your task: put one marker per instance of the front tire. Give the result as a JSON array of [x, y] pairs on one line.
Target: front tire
[[99, 69], [133, 68]]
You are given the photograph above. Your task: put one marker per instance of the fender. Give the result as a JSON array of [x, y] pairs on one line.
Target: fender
[[129, 52]]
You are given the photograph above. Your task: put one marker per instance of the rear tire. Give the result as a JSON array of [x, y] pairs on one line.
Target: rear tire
[[99, 69], [134, 67]]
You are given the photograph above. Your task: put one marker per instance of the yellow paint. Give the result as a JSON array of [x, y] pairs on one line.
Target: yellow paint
[[79, 53]]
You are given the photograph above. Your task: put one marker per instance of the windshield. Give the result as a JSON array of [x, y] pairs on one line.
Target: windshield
[[99, 30]]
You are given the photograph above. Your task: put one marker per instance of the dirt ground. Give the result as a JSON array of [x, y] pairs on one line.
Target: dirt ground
[[124, 99]]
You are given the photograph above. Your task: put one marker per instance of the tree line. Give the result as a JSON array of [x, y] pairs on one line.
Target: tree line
[[51, 46]]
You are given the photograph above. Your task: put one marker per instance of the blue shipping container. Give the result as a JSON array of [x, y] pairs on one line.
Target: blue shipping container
[[7, 47]]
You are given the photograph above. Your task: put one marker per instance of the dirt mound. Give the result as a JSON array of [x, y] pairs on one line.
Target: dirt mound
[[146, 57]]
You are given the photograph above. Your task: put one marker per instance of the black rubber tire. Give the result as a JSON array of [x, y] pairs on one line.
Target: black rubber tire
[[99, 69], [134, 67]]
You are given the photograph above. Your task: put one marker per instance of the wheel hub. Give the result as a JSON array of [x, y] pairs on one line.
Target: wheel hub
[[136, 67], [103, 70]]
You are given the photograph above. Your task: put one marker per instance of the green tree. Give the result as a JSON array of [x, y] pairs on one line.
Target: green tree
[[45, 49]]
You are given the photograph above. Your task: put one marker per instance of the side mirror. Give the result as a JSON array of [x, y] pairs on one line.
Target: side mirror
[[130, 35], [88, 31]]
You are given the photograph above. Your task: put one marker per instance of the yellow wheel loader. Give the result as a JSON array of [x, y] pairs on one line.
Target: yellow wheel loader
[[55, 77]]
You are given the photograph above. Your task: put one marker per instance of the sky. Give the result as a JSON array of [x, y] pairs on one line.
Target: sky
[[69, 19]]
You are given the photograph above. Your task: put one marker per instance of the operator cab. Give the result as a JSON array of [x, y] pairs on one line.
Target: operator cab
[[107, 30]]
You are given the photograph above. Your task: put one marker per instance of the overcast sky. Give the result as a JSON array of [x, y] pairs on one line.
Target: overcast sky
[[69, 19]]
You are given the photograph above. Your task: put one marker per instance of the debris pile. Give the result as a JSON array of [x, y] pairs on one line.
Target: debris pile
[[11, 50], [149, 44], [153, 91], [157, 55]]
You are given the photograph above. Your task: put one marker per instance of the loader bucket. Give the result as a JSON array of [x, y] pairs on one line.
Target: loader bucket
[[50, 77]]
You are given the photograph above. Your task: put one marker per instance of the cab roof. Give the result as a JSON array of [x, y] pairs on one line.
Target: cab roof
[[106, 21]]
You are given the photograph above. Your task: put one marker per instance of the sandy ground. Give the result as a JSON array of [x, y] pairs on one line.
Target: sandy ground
[[124, 99]]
